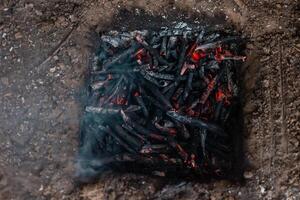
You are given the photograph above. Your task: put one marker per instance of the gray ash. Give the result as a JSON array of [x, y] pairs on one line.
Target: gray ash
[[162, 102]]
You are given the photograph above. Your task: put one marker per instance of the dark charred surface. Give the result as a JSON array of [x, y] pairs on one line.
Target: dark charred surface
[[133, 96], [43, 61]]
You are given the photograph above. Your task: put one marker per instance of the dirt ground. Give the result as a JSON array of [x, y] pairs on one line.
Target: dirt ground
[[45, 48]]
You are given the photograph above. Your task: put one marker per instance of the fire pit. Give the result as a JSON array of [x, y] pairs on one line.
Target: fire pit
[[162, 102]]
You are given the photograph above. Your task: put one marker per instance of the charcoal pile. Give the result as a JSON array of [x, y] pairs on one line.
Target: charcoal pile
[[162, 102]]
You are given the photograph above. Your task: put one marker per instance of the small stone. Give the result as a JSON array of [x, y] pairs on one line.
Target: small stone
[[248, 175], [55, 58], [61, 66], [262, 189], [266, 50], [73, 18], [18, 35], [158, 173], [266, 83], [64, 186], [52, 70], [61, 22], [29, 5], [38, 13]]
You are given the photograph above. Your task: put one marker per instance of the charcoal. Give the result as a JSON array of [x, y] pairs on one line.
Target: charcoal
[[161, 101]]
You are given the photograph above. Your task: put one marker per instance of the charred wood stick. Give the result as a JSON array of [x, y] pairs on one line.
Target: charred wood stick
[[127, 138], [218, 110], [172, 42], [162, 68], [211, 45], [184, 132], [178, 93], [125, 157], [153, 51], [203, 134], [136, 126], [211, 86], [131, 87], [161, 76], [140, 101], [155, 148], [163, 48], [111, 111], [102, 110], [97, 85], [197, 122], [168, 88], [119, 140], [117, 71], [156, 103], [141, 129], [188, 86], [149, 78], [158, 95], [133, 132], [179, 148], [115, 89], [151, 99], [181, 59], [118, 59], [171, 131]]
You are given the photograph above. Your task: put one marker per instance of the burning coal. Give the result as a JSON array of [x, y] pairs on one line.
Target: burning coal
[[161, 102]]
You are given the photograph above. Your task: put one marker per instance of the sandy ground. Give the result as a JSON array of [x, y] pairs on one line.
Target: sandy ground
[[45, 48]]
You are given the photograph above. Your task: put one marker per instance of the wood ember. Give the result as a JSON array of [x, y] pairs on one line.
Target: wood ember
[[162, 102]]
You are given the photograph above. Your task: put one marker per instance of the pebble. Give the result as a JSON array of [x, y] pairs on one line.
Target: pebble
[[38, 13], [53, 69], [248, 174], [159, 173], [55, 58], [61, 66], [29, 5], [18, 35], [73, 18], [262, 189]]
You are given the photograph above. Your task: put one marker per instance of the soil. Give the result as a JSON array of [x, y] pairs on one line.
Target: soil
[[46, 47]]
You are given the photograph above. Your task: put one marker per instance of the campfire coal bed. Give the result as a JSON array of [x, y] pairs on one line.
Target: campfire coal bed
[[164, 103]]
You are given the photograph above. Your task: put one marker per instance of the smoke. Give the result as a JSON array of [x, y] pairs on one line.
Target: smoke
[[161, 101]]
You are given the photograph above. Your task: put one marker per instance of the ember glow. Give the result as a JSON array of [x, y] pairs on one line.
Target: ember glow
[[163, 101]]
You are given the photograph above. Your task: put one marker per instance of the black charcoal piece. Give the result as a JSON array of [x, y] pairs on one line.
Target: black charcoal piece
[[162, 101]]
